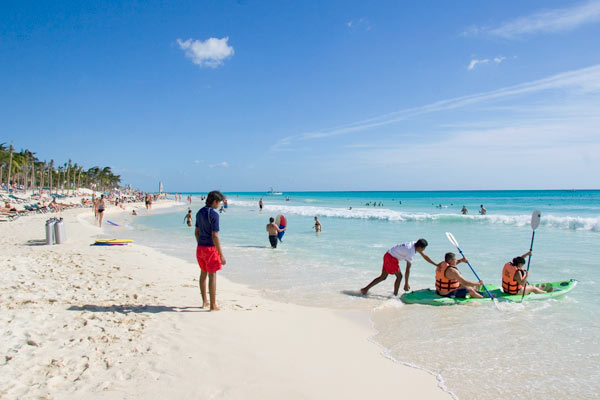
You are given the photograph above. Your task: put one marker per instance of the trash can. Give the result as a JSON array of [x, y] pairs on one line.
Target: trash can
[[59, 231], [50, 231]]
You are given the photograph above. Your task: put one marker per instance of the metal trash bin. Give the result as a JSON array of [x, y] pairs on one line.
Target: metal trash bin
[[59, 232], [50, 231]]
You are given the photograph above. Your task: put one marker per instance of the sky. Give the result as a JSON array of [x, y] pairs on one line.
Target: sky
[[338, 95]]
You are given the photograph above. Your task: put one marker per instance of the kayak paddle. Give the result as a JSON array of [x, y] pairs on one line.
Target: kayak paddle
[[535, 222], [455, 243]]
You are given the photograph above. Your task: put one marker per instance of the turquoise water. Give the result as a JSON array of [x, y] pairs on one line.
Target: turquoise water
[[550, 347]]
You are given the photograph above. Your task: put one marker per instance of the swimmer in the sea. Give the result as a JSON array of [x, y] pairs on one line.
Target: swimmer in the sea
[[317, 225], [188, 217]]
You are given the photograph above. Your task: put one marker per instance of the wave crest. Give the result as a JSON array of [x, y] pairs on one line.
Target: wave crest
[[559, 222]]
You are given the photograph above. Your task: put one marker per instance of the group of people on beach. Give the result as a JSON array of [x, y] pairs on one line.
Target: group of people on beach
[[449, 282]]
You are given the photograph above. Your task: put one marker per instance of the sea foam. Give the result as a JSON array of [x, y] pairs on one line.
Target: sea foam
[[558, 222]]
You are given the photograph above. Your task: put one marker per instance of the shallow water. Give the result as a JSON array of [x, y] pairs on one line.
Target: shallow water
[[551, 347]]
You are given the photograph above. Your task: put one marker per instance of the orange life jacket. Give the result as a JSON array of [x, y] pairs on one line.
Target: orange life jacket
[[509, 285], [444, 285]]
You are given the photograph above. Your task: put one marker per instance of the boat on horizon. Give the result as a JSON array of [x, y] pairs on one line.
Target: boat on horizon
[[274, 193]]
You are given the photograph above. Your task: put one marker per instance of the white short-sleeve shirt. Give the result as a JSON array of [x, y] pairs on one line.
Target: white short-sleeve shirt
[[403, 251]]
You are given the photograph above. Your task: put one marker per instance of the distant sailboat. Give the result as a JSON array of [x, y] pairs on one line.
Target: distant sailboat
[[274, 193]]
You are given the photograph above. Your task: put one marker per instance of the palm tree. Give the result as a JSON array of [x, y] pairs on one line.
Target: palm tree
[[3, 157], [28, 158], [42, 168], [74, 170], [68, 175], [50, 172], [9, 167]]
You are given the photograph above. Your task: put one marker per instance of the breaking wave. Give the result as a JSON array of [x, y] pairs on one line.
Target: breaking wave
[[559, 222]]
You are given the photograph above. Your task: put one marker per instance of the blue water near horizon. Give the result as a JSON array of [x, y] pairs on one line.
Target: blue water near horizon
[[325, 269]]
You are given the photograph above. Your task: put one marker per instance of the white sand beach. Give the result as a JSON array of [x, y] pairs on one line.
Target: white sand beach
[[123, 322]]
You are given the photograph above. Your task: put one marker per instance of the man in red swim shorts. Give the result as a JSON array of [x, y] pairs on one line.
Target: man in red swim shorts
[[391, 264], [208, 253]]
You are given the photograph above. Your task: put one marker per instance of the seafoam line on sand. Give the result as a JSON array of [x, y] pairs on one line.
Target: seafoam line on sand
[[387, 353]]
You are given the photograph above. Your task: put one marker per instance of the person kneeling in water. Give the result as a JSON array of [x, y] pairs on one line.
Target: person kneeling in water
[[514, 278], [450, 283]]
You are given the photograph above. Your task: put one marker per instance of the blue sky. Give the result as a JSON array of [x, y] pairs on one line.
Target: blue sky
[[311, 95]]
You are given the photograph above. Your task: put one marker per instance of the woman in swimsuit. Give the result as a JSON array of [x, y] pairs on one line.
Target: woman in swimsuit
[[101, 206], [188, 218]]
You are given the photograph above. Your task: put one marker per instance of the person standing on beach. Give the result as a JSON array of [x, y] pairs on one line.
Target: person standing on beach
[[101, 207], [95, 205], [260, 204], [391, 266], [273, 230], [450, 283], [208, 252]]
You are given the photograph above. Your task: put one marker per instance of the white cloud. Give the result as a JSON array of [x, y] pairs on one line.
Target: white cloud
[[545, 21], [581, 81], [359, 24], [223, 164], [208, 53], [474, 62]]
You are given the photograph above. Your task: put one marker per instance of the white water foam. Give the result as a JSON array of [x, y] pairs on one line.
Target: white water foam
[[559, 222]]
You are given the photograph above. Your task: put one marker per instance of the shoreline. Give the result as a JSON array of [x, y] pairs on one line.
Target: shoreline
[[136, 329]]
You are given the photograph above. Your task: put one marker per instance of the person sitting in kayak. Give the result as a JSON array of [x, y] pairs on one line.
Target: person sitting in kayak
[[450, 283], [514, 278]]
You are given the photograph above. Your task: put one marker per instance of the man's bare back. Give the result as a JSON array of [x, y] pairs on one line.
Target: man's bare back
[[273, 229]]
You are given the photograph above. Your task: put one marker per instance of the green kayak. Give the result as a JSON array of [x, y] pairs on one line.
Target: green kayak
[[430, 297]]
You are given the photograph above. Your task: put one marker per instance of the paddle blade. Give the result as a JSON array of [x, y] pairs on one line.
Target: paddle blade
[[451, 239], [535, 219]]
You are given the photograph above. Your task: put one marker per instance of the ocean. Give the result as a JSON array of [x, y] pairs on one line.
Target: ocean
[[532, 350]]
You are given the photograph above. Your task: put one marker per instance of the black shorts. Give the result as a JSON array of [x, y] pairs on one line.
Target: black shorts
[[457, 294], [273, 240]]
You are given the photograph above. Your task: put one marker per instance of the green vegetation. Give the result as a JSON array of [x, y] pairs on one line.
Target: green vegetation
[[25, 170]]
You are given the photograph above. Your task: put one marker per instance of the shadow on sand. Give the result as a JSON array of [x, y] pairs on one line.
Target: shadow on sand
[[357, 293], [41, 242], [133, 308]]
